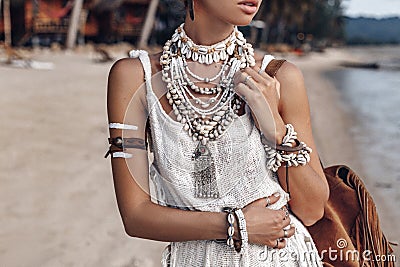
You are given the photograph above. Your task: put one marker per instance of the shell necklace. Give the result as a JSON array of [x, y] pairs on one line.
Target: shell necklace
[[204, 120], [204, 123]]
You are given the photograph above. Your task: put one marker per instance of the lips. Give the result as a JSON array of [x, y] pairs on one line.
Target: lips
[[248, 6]]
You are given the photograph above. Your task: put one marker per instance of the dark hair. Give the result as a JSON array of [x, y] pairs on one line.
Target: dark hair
[[185, 2]]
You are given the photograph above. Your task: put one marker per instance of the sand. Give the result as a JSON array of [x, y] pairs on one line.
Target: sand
[[57, 204]]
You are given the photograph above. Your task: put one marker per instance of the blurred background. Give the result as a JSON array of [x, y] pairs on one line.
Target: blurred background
[[57, 204]]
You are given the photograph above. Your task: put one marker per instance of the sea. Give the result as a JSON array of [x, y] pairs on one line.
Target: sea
[[373, 97]]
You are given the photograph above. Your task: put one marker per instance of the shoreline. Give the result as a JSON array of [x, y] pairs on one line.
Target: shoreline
[[330, 116], [335, 140], [57, 211]]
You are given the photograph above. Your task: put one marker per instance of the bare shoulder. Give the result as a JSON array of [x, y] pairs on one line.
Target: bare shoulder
[[130, 70], [126, 76], [289, 73], [292, 89], [125, 88]]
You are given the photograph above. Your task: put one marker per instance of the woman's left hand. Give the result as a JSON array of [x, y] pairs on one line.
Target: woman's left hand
[[261, 93]]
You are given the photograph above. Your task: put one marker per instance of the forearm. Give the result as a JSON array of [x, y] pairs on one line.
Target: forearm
[[155, 222], [145, 219], [308, 192]]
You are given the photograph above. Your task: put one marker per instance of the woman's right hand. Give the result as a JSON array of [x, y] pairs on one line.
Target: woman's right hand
[[265, 226]]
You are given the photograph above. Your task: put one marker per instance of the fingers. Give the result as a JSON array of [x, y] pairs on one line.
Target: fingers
[[246, 80], [265, 225], [286, 210], [255, 73], [259, 77], [288, 232], [285, 232], [281, 241], [241, 90], [285, 222], [257, 81], [262, 202], [272, 199], [239, 77], [278, 221]]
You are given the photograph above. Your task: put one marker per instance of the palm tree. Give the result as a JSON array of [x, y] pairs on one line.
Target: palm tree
[[7, 23], [148, 24], [11, 53], [74, 24], [285, 19]]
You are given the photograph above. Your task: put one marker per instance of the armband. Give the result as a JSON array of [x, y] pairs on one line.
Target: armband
[[119, 144]]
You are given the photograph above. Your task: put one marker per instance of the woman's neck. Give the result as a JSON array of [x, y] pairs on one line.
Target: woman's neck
[[206, 31]]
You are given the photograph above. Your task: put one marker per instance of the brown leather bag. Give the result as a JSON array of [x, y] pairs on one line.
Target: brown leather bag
[[350, 228], [349, 234]]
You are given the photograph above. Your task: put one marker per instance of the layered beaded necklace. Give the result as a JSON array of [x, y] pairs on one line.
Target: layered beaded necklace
[[204, 123], [204, 120]]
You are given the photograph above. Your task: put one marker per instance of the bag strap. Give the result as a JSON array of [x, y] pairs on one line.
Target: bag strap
[[273, 66]]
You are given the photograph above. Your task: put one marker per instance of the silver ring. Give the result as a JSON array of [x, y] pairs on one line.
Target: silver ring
[[285, 233], [260, 71], [246, 79], [268, 202]]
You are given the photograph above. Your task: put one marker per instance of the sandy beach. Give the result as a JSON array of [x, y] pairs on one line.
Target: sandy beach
[[57, 204]]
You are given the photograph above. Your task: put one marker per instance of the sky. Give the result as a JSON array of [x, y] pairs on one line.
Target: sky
[[372, 8]]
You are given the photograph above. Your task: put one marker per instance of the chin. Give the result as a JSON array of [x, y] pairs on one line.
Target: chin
[[242, 21]]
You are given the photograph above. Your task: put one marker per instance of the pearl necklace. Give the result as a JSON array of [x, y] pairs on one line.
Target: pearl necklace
[[210, 120]]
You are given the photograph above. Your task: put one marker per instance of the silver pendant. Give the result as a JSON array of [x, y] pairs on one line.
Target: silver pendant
[[205, 182]]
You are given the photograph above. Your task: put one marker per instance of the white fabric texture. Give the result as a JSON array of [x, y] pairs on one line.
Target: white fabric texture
[[242, 177]]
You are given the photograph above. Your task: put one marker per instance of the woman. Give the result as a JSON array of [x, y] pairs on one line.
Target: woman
[[215, 116]]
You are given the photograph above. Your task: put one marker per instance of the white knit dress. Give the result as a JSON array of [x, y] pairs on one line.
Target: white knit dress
[[242, 177]]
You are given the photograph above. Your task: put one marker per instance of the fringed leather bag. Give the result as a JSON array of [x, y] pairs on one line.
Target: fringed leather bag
[[349, 234], [350, 231]]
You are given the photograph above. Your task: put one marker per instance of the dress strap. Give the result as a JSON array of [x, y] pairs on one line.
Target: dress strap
[[266, 60], [145, 59], [146, 63]]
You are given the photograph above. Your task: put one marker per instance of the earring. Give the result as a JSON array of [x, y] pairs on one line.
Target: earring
[[191, 11]]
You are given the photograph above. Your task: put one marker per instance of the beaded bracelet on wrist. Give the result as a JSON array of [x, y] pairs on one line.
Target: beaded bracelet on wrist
[[291, 151], [242, 228], [230, 218]]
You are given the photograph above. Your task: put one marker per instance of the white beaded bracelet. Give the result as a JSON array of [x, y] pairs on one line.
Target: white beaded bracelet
[[242, 228], [278, 154]]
